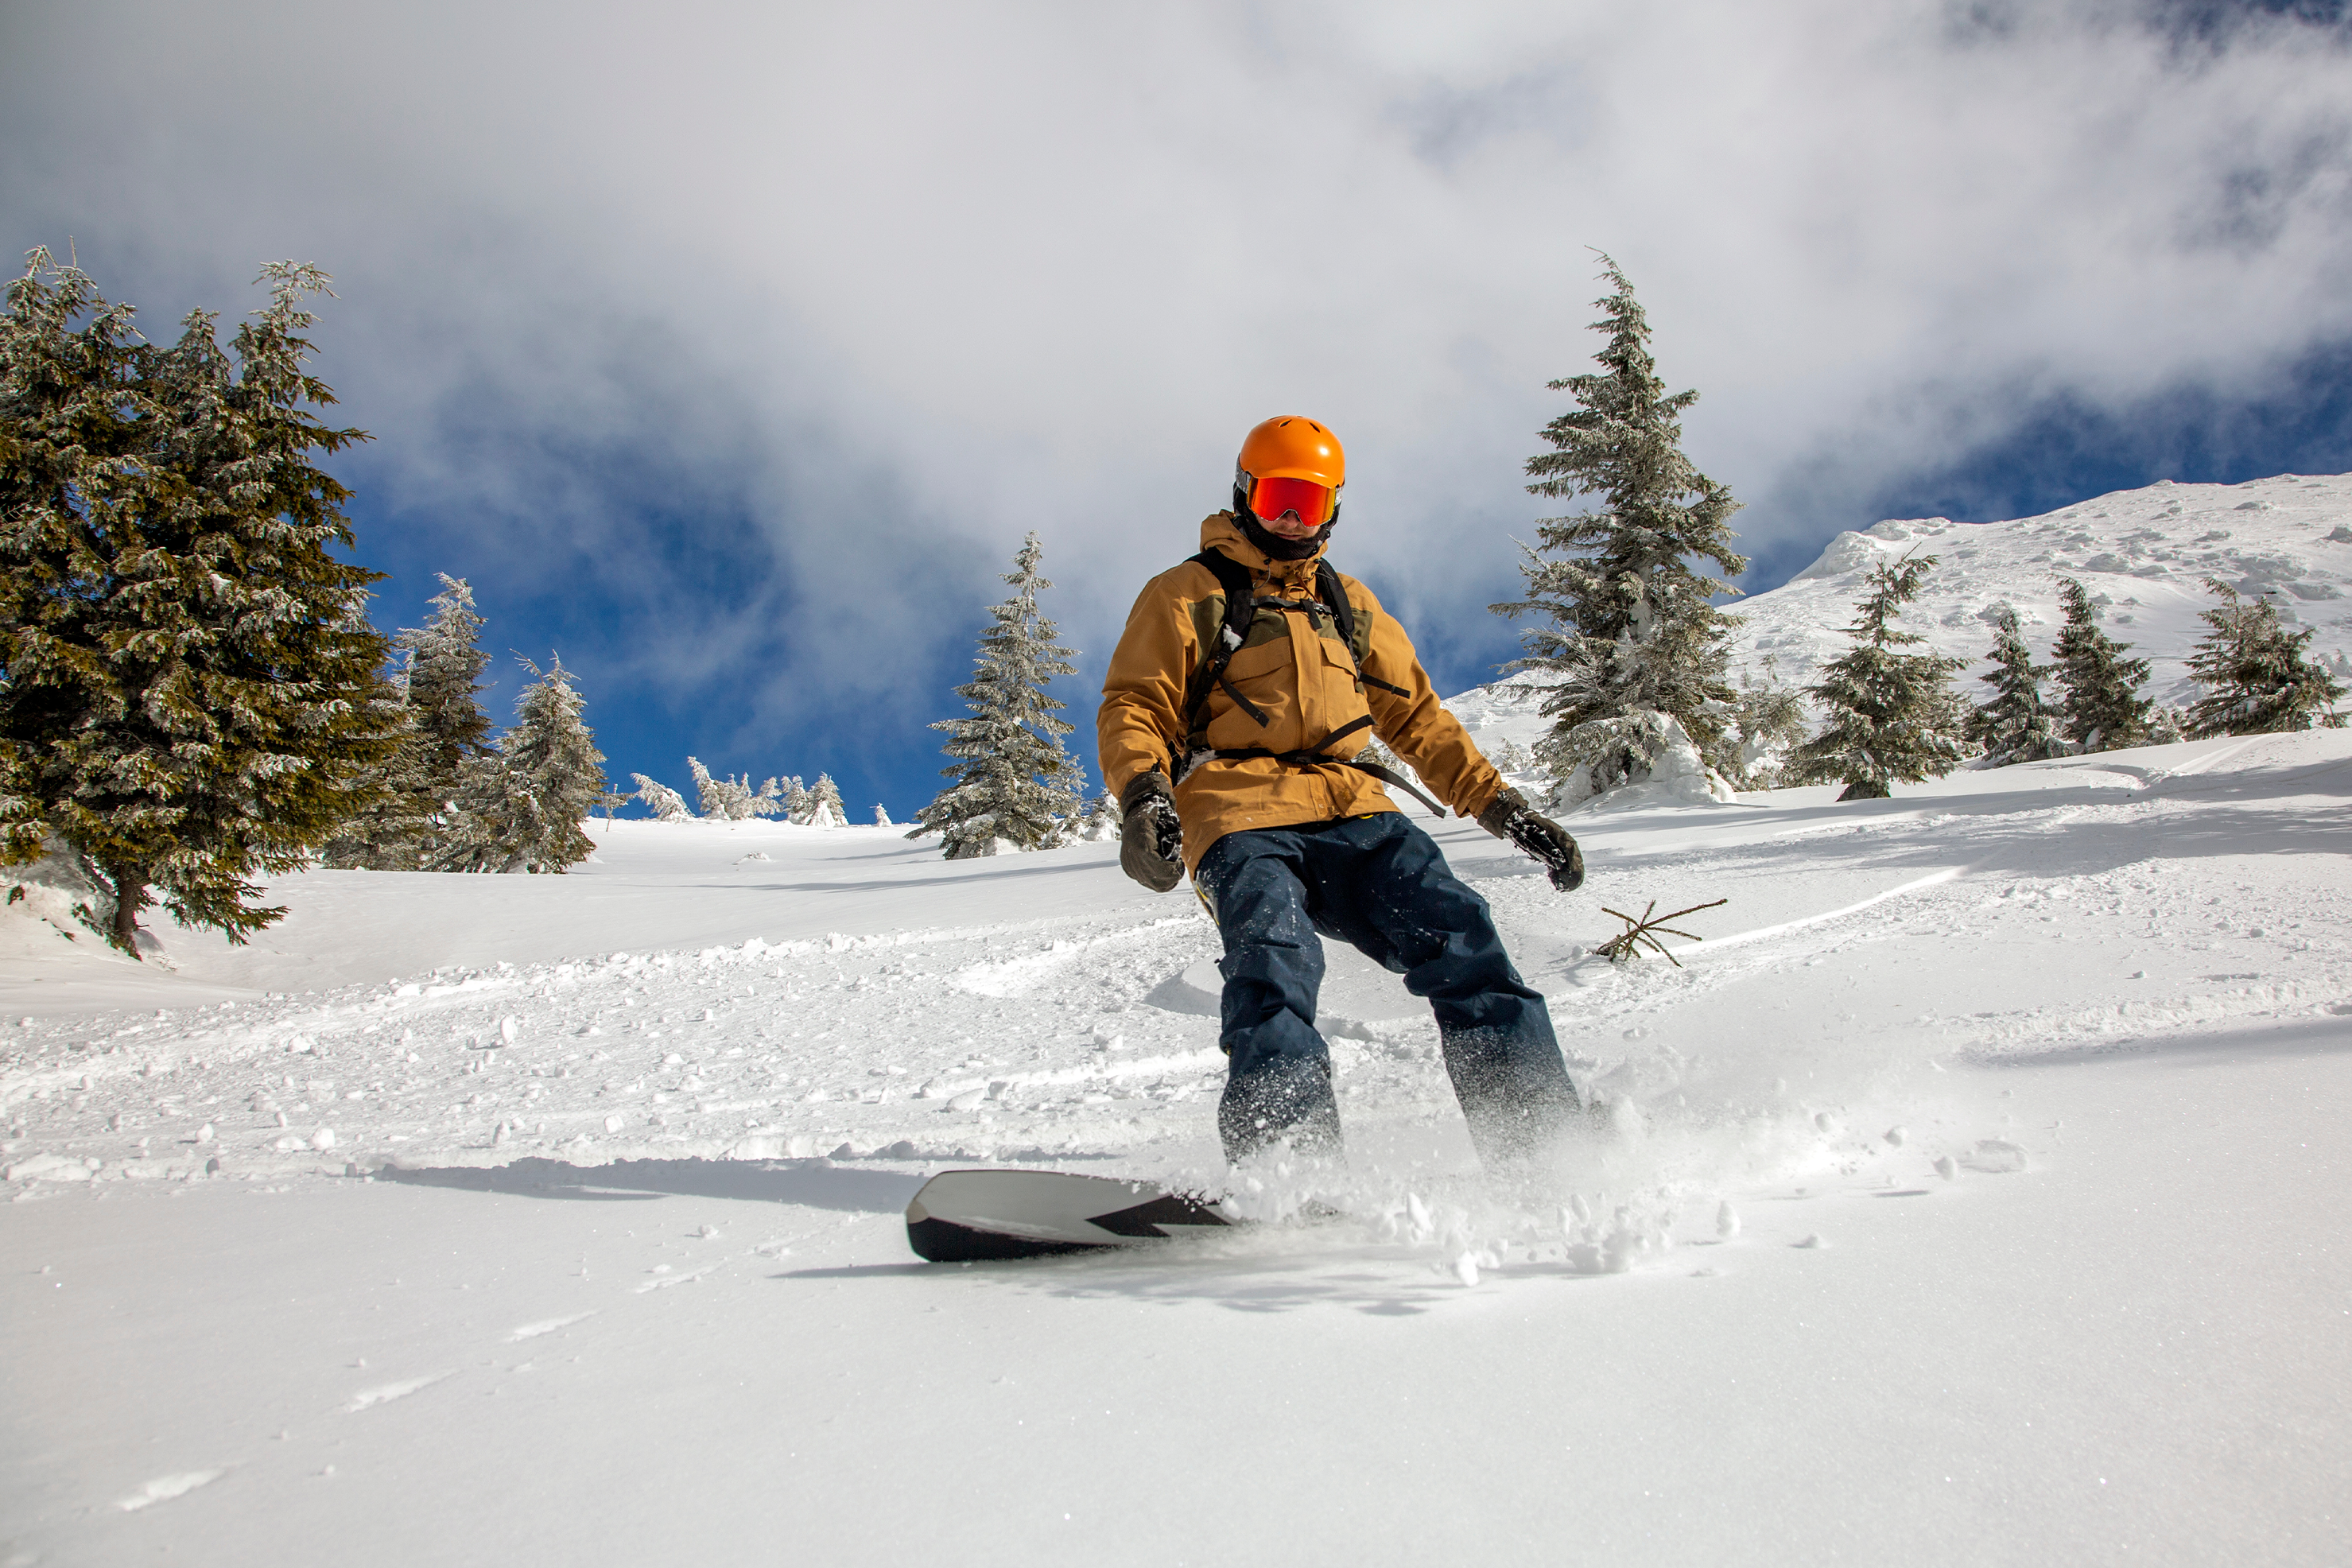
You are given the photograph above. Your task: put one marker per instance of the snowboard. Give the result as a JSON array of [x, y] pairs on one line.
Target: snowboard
[[968, 1216]]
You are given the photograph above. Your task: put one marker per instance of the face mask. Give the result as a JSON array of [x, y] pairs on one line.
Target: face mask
[[1278, 548]]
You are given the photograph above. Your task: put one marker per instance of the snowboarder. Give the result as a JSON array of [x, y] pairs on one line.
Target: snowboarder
[[1247, 680]]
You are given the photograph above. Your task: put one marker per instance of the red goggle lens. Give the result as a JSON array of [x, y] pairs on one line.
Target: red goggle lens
[[1271, 498]]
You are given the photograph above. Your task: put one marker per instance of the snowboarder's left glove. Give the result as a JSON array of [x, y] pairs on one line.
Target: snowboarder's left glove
[[1508, 816], [1150, 836]]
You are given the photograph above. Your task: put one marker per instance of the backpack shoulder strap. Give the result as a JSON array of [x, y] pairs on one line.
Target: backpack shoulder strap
[[1241, 608], [1334, 595]]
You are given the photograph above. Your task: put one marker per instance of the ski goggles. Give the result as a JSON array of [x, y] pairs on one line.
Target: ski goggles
[[1314, 503]]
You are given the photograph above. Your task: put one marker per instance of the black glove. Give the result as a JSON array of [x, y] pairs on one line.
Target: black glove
[[1508, 816], [1149, 835]]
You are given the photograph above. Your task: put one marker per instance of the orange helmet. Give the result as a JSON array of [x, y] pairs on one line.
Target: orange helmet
[[1290, 464]]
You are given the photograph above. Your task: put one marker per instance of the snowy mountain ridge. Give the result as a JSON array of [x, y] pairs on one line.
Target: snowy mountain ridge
[[2145, 556]]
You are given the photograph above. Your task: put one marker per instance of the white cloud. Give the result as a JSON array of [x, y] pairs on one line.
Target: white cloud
[[898, 283]]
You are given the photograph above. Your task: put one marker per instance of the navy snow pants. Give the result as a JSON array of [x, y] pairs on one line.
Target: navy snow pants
[[1380, 883]]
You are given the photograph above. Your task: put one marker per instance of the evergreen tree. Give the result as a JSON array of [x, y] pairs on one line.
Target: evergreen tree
[[734, 799], [795, 798], [445, 670], [825, 803], [1012, 778], [1892, 716], [443, 729], [2014, 726], [1770, 720], [1626, 627], [1102, 820], [2101, 708], [667, 804], [520, 807], [190, 692], [2256, 678], [882, 817]]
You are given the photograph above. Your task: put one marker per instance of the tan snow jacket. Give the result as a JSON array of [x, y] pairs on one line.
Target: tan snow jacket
[[1305, 681]]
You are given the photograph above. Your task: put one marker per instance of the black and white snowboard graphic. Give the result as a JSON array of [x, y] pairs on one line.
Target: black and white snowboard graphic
[[964, 1216]]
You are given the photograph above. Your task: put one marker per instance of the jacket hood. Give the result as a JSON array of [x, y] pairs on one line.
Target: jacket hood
[[1219, 533]]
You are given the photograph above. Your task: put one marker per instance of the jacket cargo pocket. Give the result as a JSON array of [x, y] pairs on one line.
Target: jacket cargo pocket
[[1265, 674], [1342, 701]]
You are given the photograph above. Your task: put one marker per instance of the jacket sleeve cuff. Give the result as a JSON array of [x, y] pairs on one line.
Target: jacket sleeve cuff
[[1481, 796]]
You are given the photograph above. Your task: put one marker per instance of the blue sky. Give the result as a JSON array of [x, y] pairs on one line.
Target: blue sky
[[729, 351]]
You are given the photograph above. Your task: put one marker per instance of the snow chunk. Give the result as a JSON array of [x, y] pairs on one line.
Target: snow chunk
[[384, 1394], [1995, 1156], [163, 1488], [546, 1326]]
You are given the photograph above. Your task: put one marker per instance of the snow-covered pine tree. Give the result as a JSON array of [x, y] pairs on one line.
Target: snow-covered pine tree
[[520, 808], [882, 817], [2013, 725], [1626, 627], [1012, 781], [193, 693], [2100, 707], [825, 803], [1101, 825], [795, 796], [667, 804], [446, 662], [734, 799], [1769, 720], [1892, 716], [444, 731], [2256, 678]]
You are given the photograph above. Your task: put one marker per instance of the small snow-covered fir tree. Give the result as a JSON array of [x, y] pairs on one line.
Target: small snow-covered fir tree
[[446, 662], [444, 730], [795, 798], [1769, 720], [882, 817], [824, 808], [192, 695], [734, 799], [1012, 781], [2257, 678], [1892, 716], [2100, 707], [667, 804], [1101, 825], [2013, 725], [1627, 626], [520, 807]]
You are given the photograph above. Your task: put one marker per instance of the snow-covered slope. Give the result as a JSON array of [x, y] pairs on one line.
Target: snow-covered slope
[[2144, 555], [1977, 1182]]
